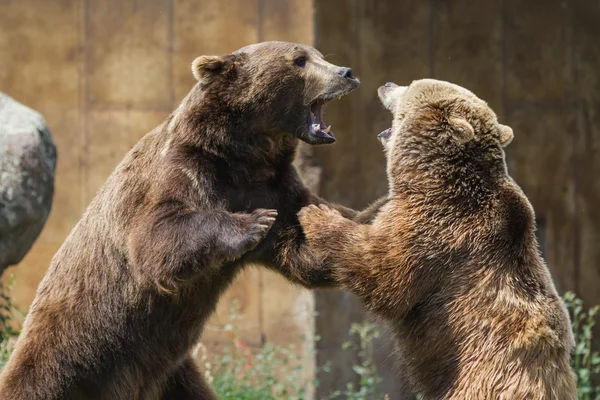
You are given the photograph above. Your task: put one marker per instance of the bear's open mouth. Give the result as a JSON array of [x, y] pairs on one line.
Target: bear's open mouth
[[317, 125]]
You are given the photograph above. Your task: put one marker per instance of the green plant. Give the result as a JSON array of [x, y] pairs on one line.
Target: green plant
[[274, 372], [585, 361], [366, 369], [270, 372]]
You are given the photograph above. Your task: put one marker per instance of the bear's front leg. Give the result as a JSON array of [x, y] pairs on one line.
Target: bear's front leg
[[343, 210], [381, 270], [299, 262], [328, 233], [342, 247], [174, 243]]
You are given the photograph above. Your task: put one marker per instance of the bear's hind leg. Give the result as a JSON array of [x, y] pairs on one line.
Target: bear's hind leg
[[187, 383]]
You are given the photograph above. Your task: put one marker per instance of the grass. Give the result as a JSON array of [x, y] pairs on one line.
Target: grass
[[274, 372], [271, 372]]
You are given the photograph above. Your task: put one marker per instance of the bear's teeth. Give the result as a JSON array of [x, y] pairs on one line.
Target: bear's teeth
[[316, 127], [326, 130]]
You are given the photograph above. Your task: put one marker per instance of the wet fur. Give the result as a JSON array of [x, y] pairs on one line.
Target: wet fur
[[450, 260], [128, 293]]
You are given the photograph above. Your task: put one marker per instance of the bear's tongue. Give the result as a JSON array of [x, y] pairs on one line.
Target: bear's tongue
[[317, 125]]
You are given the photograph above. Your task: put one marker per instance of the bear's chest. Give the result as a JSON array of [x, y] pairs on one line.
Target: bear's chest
[[248, 198], [285, 197]]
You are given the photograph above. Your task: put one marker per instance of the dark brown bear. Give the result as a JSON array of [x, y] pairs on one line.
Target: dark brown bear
[[128, 293], [451, 260]]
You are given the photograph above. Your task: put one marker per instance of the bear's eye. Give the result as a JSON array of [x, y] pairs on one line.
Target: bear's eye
[[300, 61]]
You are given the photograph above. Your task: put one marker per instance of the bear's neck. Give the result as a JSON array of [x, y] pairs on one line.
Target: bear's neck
[[466, 179], [240, 154]]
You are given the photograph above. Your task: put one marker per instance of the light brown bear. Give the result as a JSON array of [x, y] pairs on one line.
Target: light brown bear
[[451, 261], [193, 203]]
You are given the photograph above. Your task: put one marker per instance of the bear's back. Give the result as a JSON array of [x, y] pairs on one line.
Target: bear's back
[[497, 311]]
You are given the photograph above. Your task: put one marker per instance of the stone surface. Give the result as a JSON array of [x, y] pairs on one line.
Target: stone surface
[[27, 165]]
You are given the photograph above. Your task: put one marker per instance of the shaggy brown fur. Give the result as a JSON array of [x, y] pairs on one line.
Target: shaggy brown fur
[[128, 293], [451, 260]]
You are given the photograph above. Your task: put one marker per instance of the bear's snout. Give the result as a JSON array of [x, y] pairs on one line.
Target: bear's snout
[[346, 72]]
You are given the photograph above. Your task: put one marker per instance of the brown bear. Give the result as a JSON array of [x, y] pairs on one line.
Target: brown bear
[[451, 261], [128, 293]]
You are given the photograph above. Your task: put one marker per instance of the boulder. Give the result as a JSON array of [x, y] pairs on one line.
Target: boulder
[[27, 166]]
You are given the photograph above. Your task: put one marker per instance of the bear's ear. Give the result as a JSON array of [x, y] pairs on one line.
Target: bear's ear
[[462, 128], [204, 67], [506, 134]]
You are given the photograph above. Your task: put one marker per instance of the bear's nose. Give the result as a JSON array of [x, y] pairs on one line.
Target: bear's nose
[[390, 84], [346, 72]]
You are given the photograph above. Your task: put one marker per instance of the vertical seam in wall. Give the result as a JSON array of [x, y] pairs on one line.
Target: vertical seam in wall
[[261, 283], [171, 53], [357, 6], [580, 126], [260, 20], [503, 52], [314, 22], [83, 86], [431, 39]]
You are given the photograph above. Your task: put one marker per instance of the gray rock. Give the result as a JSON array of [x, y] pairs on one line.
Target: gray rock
[[27, 166]]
